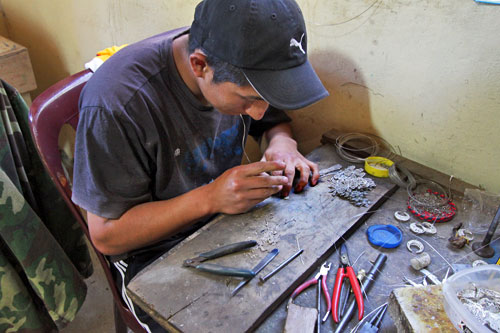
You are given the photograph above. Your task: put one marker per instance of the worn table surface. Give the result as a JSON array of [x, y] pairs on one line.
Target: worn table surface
[[188, 300], [192, 301], [396, 266]]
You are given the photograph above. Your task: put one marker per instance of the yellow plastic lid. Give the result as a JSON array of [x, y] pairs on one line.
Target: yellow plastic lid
[[378, 166]]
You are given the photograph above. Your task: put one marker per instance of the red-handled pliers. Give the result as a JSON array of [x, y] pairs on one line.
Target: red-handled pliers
[[323, 272], [341, 274]]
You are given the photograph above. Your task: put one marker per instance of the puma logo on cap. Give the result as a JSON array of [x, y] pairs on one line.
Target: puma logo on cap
[[293, 42]]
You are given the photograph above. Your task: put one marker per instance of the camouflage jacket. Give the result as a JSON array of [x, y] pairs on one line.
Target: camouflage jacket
[[43, 254]]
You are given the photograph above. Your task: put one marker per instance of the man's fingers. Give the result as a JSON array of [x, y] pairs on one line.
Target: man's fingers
[[254, 169], [266, 181], [315, 172], [263, 193], [277, 173], [289, 173], [304, 177]]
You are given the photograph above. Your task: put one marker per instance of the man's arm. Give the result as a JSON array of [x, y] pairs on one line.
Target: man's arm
[[235, 191], [282, 147]]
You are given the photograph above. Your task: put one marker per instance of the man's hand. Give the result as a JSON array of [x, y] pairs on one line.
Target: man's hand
[[283, 148], [242, 187]]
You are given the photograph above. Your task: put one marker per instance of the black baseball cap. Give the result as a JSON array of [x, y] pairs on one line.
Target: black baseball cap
[[267, 40]]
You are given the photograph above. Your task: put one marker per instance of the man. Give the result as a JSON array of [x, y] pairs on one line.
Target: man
[[164, 121]]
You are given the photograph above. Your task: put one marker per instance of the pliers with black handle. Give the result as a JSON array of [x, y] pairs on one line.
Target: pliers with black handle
[[198, 262]]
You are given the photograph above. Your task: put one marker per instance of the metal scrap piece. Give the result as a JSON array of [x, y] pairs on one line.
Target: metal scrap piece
[[350, 184], [479, 262], [429, 228], [483, 303], [327, 171], [417, 228], [415, 243], [465, 233], [401, 216]]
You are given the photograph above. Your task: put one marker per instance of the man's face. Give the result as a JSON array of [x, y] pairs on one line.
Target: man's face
[[232, 99]]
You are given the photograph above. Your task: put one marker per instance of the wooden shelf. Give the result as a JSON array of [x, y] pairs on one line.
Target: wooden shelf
[[15, 66]]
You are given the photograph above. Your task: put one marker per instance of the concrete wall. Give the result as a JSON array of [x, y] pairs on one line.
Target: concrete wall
[[3, 23], [424, 75]]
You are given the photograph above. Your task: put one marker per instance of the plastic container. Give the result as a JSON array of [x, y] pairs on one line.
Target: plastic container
[[486, 276], [386, 236]]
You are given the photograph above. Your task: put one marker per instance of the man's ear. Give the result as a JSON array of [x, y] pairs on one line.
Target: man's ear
[[198, 63]]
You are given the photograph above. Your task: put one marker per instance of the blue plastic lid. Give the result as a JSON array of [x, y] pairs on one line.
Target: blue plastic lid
[[384, 235]]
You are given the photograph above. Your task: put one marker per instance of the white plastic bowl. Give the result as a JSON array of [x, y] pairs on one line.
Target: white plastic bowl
[[487, 276]]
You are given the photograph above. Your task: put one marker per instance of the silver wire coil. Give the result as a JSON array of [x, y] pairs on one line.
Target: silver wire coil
[[396, 178], [372, 147]]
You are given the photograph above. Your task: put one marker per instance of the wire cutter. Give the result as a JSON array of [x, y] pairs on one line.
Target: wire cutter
[[341, 274], [373, 325], [323, 272], [219, 252]]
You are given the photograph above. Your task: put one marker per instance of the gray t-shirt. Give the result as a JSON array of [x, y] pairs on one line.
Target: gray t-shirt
[[143, 136]]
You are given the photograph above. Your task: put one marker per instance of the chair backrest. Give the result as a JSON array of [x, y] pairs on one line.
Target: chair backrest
[[55, 107]]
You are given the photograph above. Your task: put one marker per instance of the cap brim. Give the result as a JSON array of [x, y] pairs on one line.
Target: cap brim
[[289, 89]]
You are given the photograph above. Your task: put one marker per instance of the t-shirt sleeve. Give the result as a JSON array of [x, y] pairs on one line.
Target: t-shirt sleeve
[[111, 169], [271, 118]]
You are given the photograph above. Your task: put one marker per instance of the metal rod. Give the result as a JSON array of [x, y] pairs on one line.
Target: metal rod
[[318, 306], [434, 279], [380, 316], [484, 249], [345, 291], [283, 264], [367, 282], [260, 266]]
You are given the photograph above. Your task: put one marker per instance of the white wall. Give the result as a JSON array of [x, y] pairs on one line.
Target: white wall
[[422, 74], [425, 75]]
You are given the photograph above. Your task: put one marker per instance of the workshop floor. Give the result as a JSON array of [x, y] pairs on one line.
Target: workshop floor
[[96, 314]]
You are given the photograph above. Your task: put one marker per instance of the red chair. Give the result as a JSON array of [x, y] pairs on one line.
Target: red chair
[[55, 107]]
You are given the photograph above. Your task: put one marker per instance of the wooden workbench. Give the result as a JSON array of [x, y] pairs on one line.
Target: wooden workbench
[[184, 299], [396, 266]]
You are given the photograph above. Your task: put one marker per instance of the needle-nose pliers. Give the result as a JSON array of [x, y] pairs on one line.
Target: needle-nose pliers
[[199, 264]]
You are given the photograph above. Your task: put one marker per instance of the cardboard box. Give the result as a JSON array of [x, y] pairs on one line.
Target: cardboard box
[[15, 66]]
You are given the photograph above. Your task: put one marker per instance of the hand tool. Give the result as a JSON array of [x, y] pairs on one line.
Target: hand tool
[[424, 281], [365, 285], [318, 307], [484, 249], [446, 275], [411, 282], [341, 274], [343, 304], [373, 325], [260, 266], [323, 272], [283, 264], [219, 252], [433, 278]]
